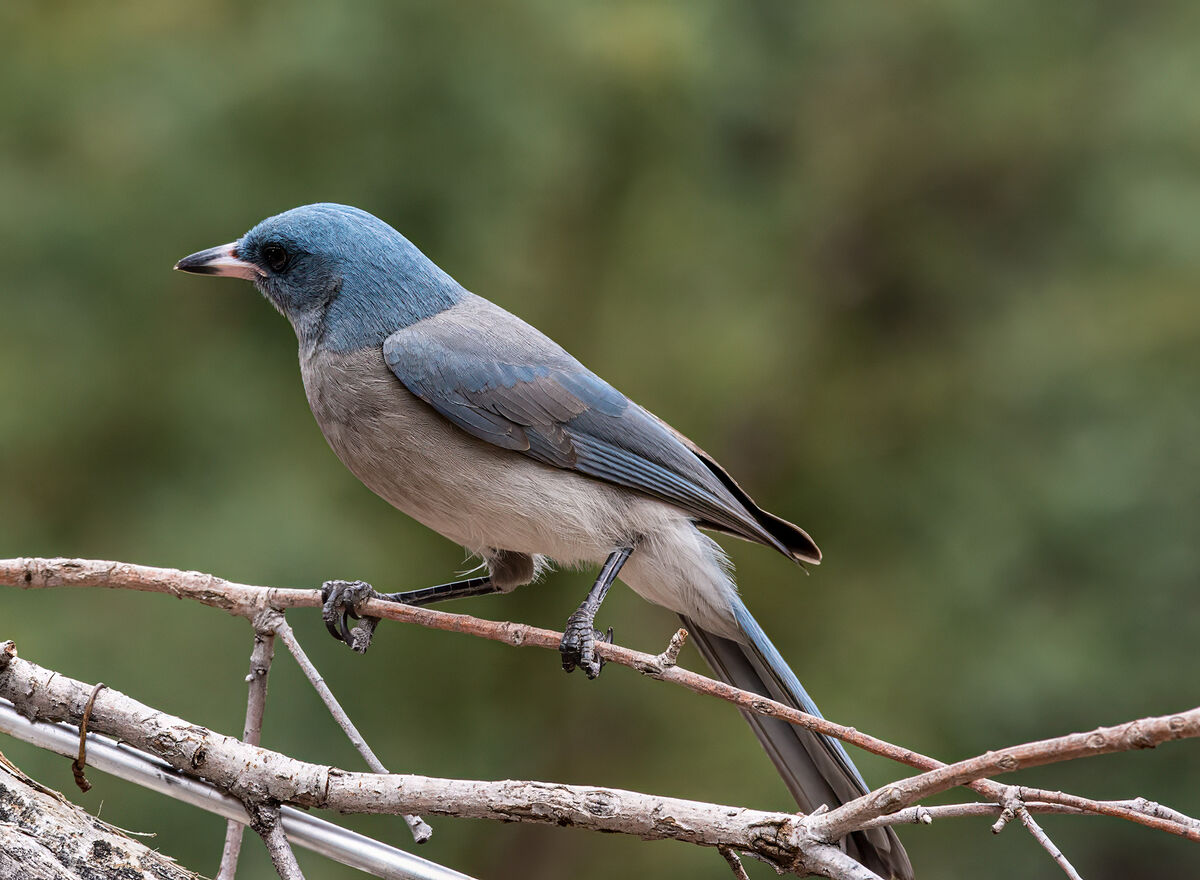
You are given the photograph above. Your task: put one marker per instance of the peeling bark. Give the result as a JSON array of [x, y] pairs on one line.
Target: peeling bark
[[43, 836]]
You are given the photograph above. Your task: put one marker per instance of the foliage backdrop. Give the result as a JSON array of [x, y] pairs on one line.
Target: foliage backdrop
[[923, 277]]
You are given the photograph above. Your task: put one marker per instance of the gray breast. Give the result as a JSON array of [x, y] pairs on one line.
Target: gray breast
[[476, 494]]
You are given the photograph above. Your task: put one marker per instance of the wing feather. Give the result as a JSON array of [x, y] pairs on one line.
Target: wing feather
[[519, 390]]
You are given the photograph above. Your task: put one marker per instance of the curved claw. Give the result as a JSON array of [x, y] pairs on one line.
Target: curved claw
[[344, 626], [340, 601]]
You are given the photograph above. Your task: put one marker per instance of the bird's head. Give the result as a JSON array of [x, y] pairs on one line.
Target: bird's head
[[341, 276]]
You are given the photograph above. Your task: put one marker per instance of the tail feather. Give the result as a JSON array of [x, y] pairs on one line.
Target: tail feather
[[815, 768]]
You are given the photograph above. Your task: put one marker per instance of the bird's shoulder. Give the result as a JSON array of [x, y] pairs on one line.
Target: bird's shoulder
[[480, 354]]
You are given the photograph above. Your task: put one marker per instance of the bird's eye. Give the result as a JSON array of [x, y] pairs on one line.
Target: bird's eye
[[275, 257]]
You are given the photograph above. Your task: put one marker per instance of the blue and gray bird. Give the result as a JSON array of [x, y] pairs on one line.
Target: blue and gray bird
[[477, 425]]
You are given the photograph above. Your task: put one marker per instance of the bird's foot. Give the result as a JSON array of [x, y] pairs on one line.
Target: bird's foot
[[342, 599], [578, 645]]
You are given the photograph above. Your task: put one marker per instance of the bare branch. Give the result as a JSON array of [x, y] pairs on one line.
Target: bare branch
[[260, 667], [1139, 810], [266, 823], [241, 600], [245, 600], [828, 860], [1047, 844], [731, 858], [302, 827], [1140, 734], [922, 815], [421, 832], [261, 776], [43, 835]]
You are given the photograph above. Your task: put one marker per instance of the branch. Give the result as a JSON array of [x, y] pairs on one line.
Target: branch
[[246, 600], [926, 815], [1047, 844], [778, 838], [302, 827], [260, 667], [1143, 733], [421, 832], [813, 852], [43, 836], [268, 824]]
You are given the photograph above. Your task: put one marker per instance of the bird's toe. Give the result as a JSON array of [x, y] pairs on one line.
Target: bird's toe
[[341, 601], [578, 645]]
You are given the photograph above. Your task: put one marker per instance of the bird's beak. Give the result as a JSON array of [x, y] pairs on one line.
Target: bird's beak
[[221, 260]]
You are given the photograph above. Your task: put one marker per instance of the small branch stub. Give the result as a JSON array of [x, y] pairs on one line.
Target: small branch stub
[[657, 666]]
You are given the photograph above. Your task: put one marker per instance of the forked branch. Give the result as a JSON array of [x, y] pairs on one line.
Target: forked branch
[[789, 841]]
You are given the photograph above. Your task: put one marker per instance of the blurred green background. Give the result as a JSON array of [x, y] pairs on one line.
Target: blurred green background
[[923, 277]]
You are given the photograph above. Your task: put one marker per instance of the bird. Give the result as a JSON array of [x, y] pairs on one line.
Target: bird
[[480, 427]]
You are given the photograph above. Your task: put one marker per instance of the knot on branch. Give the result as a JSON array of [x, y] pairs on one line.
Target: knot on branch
[[889, 800], [601, 803], [254, 797], [8, 650], [782, 842], [1139, 738], [266, 621], [264, 816]]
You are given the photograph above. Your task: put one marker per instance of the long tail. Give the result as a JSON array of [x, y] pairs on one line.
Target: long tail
[[815, 768]]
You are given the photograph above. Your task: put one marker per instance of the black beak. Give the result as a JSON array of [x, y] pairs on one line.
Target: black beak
[[222, 260]]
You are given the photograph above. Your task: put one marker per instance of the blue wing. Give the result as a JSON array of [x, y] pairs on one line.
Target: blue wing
[[501, 380]]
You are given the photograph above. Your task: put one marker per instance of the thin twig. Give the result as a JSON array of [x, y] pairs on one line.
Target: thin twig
[[1140, 734], [735, 863], [1140, 810], [1014, 807], [261, 656], [265, 820], [923, 815], [421, 831], [1047, 844]]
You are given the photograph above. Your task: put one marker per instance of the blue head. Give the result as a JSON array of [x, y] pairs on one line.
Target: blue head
[[342, 277]]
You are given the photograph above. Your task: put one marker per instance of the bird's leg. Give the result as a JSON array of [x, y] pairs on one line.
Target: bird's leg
[[342, 599], [578, 645], [480, 586]]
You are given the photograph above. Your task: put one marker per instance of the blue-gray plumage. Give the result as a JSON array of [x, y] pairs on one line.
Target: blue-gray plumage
[[476, 424]]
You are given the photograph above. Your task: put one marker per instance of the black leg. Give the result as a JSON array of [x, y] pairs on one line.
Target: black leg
[[342, 600], [480, 586], [578, 646]]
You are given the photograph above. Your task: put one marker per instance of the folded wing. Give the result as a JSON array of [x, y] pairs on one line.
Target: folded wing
[[501, 380]]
